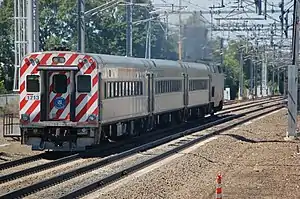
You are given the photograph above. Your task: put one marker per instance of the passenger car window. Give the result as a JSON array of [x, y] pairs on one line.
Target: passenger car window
[[83, 83], [33, 83], [60, 83]]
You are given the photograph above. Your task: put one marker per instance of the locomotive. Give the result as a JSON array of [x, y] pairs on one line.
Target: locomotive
[[70, 101]]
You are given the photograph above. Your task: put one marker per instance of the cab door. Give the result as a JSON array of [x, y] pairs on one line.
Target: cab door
[[59, 95]]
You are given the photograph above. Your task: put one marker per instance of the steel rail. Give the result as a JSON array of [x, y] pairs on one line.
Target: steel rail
[[79, 171], [119, 175]]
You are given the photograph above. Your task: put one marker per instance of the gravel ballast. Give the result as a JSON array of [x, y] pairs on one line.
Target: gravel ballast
[[81, 181], [254, 159]]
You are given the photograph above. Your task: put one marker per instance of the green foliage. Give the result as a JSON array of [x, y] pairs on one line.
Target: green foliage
[[2, 87], [231, 64], [105, 32], [6, 44], [231, 68]]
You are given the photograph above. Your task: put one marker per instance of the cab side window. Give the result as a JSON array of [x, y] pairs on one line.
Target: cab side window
[[33, 83], [84, 83]]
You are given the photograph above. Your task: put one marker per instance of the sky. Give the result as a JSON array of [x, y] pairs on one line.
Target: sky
[[203, 5]]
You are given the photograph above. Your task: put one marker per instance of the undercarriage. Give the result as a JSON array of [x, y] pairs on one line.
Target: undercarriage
[[58, 138]]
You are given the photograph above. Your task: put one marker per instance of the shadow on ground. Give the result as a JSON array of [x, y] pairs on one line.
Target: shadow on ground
[[244, 139]]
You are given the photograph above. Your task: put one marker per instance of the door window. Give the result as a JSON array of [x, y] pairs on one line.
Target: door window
[[60, 83]]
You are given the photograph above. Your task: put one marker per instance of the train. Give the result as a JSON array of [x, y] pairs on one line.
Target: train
[[72, 101]]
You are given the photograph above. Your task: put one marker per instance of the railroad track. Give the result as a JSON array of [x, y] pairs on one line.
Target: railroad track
[[114, 158], [102, 182], [250, 102], [231, 102], [20, 161], [67, 157], [34, 158], [117, 147]]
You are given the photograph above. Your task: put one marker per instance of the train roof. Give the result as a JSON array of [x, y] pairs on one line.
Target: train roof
[[198, 66], [122, 61], [162, 63]]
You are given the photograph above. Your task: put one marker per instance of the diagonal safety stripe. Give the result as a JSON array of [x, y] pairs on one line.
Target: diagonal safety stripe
[[83, 108], [37, 117], [23, 69], [60, 111], [45, 59], [90, 69], [32, 107], [95, 112], [26, 65], [57, 95], [72, 59], [87, 106], [79, 99], [68, 62], [22, 87], [95, 80]]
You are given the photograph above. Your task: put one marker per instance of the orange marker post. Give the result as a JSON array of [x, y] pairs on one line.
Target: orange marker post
[[219, 187]]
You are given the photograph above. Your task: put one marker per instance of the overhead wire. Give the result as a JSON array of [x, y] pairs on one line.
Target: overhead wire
[[208, 21]]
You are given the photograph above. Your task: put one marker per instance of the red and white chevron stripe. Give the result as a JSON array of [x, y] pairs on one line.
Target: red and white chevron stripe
[[64, 113], [86, 104]]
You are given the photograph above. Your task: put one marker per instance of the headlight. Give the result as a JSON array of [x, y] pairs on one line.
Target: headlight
[[25, 117], [92, 118]]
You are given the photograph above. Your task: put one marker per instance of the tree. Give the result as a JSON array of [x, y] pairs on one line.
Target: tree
[[105, 32], [6, 45]]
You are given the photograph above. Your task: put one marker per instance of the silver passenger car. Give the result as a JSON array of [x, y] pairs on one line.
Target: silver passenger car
[[123, 87]]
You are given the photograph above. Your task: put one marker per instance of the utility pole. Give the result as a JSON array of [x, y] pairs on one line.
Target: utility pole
[[129, 28], [260, 82], [221, 51], [251, 78], [81, 26], [278, 79], [148, 41], [179, 33], [293, 77], [281, 21], [284, 82], [241, 78], [273, 79], [255, 79], [30, 27], [36, 27], [264, 75]]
